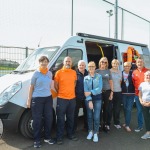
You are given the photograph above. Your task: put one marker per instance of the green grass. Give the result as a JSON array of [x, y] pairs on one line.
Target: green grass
[[7, 68]]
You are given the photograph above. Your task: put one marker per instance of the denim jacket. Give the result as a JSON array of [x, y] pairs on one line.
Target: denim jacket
[[97, 85]]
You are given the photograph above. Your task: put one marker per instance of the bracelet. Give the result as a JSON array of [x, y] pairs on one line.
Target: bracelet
[[112, 91]]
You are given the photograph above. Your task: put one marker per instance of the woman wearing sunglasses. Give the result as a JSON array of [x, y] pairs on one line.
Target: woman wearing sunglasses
[[107, 93]]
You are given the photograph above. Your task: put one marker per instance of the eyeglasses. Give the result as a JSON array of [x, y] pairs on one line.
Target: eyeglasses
[[104, 62], [91, 66]]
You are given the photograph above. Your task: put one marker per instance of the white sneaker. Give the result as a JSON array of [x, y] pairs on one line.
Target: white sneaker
[[95, 138], [90, 135], [118, 126], [108, 127], [146, 136], [138, 129]]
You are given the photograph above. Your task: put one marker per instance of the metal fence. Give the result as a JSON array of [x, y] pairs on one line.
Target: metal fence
[[11, 57], [130, 25]]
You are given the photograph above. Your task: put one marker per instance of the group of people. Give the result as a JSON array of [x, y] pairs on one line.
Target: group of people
[[99, 92]]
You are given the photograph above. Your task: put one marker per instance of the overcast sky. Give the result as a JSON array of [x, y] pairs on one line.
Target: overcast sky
[[28, 22], [140, 7]]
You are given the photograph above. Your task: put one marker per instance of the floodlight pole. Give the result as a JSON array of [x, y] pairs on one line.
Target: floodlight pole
[[72, 19], [149, 35], [110, 14], [116, 19]]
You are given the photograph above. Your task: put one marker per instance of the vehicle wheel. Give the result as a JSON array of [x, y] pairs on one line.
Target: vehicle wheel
[[25, 125], [1, 128]]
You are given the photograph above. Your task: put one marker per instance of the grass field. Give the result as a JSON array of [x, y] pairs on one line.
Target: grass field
[[7, 68]]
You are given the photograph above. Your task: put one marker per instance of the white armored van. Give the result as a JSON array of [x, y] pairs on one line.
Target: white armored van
[[14, 87]]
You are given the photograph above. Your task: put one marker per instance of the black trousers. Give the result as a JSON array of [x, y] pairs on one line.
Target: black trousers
[[146, 114], [117, 98], [42, 107], [106, 110], [65, 108], [80, 104]]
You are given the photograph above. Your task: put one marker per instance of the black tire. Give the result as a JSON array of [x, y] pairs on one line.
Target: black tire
[[25, 125], [1, 128]]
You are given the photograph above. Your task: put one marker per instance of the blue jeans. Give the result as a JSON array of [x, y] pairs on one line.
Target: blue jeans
[[42, 107], [93, 115], [128, 101], [65, 108], [139, 112]]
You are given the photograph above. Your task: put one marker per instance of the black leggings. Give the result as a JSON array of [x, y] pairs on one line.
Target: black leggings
[[106, 111], [146, 113], [117, 97]]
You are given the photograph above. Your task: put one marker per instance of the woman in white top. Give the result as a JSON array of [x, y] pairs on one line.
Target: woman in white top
[[144, 96]]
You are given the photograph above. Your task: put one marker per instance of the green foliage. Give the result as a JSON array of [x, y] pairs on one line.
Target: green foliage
[[7, 68]]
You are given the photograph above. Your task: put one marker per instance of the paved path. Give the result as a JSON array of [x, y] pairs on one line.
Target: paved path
[[115, 140]]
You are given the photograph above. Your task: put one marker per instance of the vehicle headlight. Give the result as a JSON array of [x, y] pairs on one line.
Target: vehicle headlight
[[8, 93]]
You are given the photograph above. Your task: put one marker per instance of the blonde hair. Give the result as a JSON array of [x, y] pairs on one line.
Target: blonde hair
[[103, 58], [92, 63], [115, 61], [147, 73], [127, 63]]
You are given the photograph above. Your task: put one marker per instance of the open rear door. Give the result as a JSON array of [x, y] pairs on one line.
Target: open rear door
[[96, 50]]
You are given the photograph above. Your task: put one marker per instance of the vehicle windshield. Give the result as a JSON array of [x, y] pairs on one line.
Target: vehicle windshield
[[31, 63]]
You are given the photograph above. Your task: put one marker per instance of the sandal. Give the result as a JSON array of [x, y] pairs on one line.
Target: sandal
[[124, 125], [128, 129]]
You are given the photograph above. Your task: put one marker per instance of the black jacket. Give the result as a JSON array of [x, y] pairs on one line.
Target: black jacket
[[79, 90], [130, 88]]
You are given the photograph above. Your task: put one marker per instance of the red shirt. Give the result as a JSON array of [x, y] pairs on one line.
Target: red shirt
[[138, 78]]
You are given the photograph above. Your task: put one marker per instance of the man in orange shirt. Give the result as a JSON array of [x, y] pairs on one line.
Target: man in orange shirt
[[138, 78], [65, 82]]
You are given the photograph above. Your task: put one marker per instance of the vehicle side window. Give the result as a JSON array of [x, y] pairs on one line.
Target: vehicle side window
[[146, 59], [75, 54]]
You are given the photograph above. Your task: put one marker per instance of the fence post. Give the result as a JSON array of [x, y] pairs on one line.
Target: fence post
[[27, 51]]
